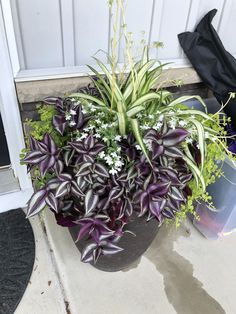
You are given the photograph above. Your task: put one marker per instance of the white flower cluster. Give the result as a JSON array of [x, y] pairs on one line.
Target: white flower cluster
[[159, 123], [81, 136], [113, 160]]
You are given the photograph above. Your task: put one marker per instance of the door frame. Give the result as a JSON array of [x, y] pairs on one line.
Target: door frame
[[9, 108]]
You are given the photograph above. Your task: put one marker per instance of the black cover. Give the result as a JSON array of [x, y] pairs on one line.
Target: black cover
[[4, 155], [215, 65], [17, 252]]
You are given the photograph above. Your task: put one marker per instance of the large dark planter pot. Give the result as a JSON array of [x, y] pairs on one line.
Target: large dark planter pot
[[134, 247]]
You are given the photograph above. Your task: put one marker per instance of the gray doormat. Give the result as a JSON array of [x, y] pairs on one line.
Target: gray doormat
[[17, 253]]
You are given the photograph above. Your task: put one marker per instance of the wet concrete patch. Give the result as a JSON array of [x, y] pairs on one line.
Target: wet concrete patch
[[183, 290]]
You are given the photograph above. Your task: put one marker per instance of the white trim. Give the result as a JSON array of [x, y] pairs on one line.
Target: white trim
[[78, 71], [14, 200], [10, 33], [10, 111]]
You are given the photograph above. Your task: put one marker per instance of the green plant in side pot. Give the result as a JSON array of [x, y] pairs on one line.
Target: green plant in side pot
[[119, 158]]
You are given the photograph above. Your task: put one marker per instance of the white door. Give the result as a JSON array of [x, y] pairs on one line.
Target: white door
[[18, 196]]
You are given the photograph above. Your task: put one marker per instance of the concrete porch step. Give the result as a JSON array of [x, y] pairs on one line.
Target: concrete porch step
[[182, 272]]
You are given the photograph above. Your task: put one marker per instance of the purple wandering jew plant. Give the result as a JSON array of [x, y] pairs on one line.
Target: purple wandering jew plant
[[118, 150]]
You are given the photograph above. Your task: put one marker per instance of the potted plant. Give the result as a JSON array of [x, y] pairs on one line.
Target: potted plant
[[119, 158]]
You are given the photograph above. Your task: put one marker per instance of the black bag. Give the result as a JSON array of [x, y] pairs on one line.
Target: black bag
[[215, 65]]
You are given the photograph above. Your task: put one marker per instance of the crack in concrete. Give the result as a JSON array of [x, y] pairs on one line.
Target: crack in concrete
[[183, 290]]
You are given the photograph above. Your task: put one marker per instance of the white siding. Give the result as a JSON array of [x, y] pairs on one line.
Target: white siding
[[64, 34], [91, 22], [38, 32]]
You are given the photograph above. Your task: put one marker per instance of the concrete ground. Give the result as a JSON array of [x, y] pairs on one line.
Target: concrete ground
[[182, 272]]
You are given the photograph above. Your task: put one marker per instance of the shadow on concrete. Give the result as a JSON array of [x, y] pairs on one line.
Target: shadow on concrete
[[183, 290]]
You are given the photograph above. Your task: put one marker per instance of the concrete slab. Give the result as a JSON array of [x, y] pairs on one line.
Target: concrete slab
[[182, 272], [44, 293]]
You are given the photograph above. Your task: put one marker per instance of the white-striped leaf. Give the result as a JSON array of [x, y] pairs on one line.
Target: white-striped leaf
[[90, 201]]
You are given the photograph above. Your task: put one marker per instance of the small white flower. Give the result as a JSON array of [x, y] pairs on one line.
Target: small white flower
[[72, 112], [118, 164], [182, 123], [207, 135], [151, 116], [97, 135], [113, 171], [86, 129], [109, 160], [72, 123], [113, 154], [102, 154], [83, 136], [125, 137], [105, 139], [93, 109], [84, 110], [91, 127], [67, 116], [118, 138], [73, 99], [78, 102], [98, 121], [138, 147]]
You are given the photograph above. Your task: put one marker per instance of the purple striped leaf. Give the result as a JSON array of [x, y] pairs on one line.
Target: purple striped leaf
[[101, 170], [168, 213], [46, 164], [34, 157], [109, 248], [59, 123], [84, 230], [68, 155], [144, 203], [62, 190], [36, 203], [33, 143], [76, 191], [51, 100], [84, 169], [176, 194], [51, 146], [87, 254], [159, 189], [97, 148], [173, 152], [89, 141], [58, 167], [65, 177], [52, 202], [90, 201], [79, 147], [174, 137]]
